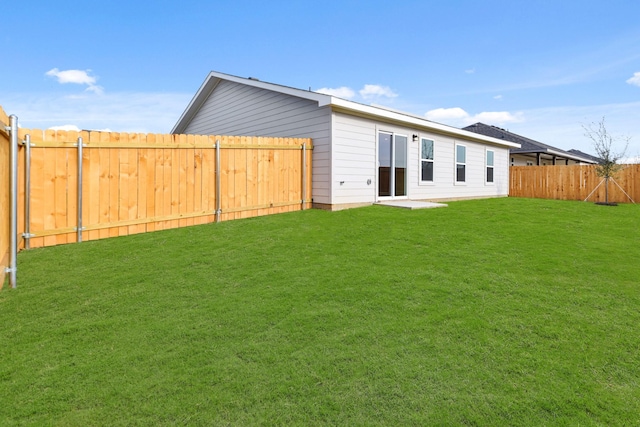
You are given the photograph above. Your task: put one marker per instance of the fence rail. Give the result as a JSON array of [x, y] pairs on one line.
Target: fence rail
[[135, 183], [573, 183]]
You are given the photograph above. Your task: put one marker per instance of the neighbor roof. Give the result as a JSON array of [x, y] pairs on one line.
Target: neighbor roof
[[527, 145], [585, 155], [338, 104]]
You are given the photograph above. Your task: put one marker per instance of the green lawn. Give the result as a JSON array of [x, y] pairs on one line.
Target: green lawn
[[488, 312]]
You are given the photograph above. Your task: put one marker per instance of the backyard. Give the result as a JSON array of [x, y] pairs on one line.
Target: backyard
[[488, 312]]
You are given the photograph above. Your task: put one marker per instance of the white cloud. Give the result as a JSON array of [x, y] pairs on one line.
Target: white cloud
[[470, 71], [374, 91], [497, 117], [497, 97], [76, 77], [368, 92], [66, 127], [458, 117], [121, 111], [630, 160], [340, 92], [446, 114], [72, 76], [635, 80]]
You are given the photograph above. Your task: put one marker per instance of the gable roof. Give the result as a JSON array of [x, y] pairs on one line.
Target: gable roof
[[337, 104], [527, 145]]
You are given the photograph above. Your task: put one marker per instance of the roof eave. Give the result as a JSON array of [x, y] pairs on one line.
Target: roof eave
[[196, 102], [569, 156]]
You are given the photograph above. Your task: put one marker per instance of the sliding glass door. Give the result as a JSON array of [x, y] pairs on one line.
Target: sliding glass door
[[392, 165]]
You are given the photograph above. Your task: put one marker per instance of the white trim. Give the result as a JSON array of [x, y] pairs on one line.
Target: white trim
[[570, 156]]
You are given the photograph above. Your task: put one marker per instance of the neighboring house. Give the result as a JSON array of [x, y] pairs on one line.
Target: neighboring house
[[594, 159], [533, 152], [362, 154]]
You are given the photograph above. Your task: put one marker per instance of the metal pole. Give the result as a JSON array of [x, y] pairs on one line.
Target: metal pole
[[304, 173], [79, 231], [218, 186], [13, 251], [27, 192]]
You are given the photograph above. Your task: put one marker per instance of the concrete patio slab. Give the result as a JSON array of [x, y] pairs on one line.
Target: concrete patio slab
[[412, 204]]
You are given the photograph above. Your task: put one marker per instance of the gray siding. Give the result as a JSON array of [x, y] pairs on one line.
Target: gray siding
[[235, 109]]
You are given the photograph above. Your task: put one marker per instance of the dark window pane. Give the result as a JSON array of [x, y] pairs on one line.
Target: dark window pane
[[400, 182], [384, 181], [489, 174], [427, 171], [427, 149], [460, 169]]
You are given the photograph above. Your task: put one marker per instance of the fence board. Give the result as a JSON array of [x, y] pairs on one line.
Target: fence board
[[573, 183]]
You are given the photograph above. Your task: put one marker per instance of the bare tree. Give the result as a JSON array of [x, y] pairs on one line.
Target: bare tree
[[604, 145]]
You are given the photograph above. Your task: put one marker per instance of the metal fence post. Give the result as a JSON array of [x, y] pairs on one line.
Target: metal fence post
[[218, 185], [304, 173], [13, 183], [79, 231], [27, 192]]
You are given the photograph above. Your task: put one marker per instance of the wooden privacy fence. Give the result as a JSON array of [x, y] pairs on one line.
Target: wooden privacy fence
[[135, 183], [573, 183]]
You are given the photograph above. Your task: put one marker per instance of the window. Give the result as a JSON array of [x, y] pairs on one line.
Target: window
[[490, 166], [426, 160], [461, 163]]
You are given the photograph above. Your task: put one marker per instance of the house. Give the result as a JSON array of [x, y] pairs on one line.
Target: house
[[362, 154], [532, 152]]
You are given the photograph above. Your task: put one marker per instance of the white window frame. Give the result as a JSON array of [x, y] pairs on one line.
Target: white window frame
[[432, 161], [456, 163], [487, 166]]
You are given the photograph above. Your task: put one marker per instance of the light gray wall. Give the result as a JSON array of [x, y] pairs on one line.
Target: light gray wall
[[444, 185], [353, 159], [236, 109]]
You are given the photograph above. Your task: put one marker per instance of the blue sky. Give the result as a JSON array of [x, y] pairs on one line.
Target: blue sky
[[542, 69]]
